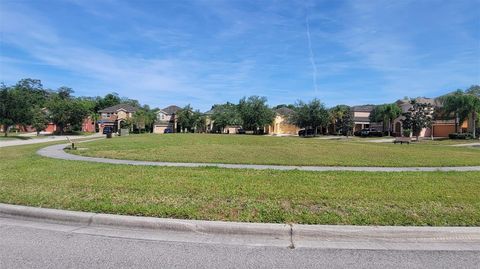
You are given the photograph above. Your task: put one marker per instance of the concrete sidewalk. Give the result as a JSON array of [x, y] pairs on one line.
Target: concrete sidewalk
[[57, 152], [54, 138], [268, 234]]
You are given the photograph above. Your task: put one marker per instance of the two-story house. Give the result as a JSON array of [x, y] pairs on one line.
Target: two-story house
[[361, 117], [441, 127], [281, 124], [166, 120], [113, 116]]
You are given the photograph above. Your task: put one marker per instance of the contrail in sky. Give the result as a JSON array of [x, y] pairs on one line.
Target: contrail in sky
[[312, 57]]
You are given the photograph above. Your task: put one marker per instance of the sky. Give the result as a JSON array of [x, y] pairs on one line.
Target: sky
[[207, 52]]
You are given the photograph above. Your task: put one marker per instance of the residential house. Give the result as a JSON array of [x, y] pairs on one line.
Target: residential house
[[113, 116], [440, 127], [209, 121], [88, 125], [281, 125], [232, 129], [361, 118], [166, 119]]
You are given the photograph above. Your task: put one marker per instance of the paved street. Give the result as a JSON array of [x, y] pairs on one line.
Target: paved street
[[27, 244]]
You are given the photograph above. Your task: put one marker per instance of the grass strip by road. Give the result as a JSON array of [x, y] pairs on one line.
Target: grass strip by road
[[358, 198], [248, 149]]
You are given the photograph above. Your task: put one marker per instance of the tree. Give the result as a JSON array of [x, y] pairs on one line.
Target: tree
[[340, 119], [471, 106], [185, 119], [109, 100], [347, 123], [310, 115], [255, 113], [419, 116], [139, 119], [290, 106], [385, 113], [200, 122], [39, 120], [452, 104], [64, 110], [224, 115], [463, 104], [15, 108]]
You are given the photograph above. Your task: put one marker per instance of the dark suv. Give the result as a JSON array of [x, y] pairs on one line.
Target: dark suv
[[370, 132], [107, 130], [308, 132]]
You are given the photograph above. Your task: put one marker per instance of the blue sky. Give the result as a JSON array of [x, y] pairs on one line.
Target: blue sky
[[206, 52]]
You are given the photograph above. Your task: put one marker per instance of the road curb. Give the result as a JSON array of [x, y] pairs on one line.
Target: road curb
[[295, 235], [46, 213], [138, 222]]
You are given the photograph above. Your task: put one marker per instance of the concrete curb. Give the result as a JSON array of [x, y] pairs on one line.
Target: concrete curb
[[137, 222], [241, 228], [57, 152]]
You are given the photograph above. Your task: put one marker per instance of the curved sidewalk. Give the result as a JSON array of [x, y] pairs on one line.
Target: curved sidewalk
[[57, 152]]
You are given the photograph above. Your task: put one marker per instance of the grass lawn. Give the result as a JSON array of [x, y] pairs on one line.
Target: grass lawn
[[360, 198], [248, 149]]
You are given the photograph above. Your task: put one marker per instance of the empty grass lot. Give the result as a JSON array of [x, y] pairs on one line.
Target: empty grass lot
[[247, 149], [359, 198]]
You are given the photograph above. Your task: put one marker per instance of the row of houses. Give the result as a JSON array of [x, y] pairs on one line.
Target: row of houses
[[166, 119], [113, 117]]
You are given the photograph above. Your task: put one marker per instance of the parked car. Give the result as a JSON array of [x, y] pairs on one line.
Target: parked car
[[107, 130], [168, 131], [358, 133], [370, 132], [240, 131], [306, 132]]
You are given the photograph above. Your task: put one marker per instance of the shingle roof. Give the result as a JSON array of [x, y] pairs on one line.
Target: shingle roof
[[284, 111], [363, 108], [171, 109], [115, 108], [423, 100]]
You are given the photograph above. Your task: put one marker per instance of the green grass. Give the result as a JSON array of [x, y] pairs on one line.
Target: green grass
[[248, 149], [359, 198]]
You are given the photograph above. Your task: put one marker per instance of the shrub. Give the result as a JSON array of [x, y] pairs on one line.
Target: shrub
[[460, 136]]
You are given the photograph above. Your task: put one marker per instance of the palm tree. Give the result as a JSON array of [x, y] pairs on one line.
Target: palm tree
[[452, 104], [391, 112], [385, 113], [336, 114], [471, 107]]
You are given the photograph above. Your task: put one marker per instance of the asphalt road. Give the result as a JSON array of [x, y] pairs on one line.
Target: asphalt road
[[25, 244]]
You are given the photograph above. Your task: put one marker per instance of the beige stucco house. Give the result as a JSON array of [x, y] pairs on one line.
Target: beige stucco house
[[166, 119], [440, 127], [113, 116], [281, 124], [361, 118]]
